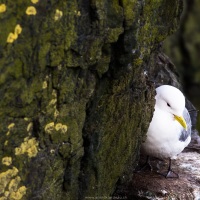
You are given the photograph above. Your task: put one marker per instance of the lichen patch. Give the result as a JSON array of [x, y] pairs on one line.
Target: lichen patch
[[31, 10], [17, 195], [61, 127], [29, 147], [78, 13], [52, 106], [58, 15], [7, 161], [54, 93], [2, 8], [5, 178], [9, 185], [13, 36], [18, 29], [6, 143], [34, 1], [8, 133], [14, 184], [26, 119], [52, 102], [10, 126], [49, 128], [56, 113], [29, 127], [44, 85]]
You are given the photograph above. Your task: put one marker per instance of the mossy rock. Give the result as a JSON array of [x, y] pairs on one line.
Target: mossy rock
[[73, 84]]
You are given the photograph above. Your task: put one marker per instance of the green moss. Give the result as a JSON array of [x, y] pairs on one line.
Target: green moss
[[71, 60], [110, 135], [103, 65], [115, 12], [13, 70], [152, 30], [138, 62], [114, 33], [129, 11], [43, 54], [94, 53]]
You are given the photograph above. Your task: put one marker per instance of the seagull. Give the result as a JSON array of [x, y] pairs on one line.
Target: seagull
[[170, 129]]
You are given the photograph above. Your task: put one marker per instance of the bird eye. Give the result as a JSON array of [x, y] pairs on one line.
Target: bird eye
[[168, 105]]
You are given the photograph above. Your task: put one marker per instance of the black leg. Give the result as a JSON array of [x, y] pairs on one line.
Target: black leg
[[146, 165], [170, 173]]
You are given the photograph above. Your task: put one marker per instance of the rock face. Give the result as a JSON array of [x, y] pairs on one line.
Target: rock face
[[77, 93], [183, 49], [151, 185], [183, 46]]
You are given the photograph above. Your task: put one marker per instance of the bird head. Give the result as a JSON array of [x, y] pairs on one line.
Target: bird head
[[171, 100]]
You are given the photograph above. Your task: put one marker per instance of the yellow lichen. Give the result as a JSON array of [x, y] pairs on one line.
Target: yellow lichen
[[6, 193], [14, 192], [56, 113], [29, 146], [18, 151], [34, 1], [30, 127], [5, 178], [10, 126], [58, 15], [54, 93], [18, 29], [31, 10], [7, 161], [26, 119], [26, 139], [78, 13], [32, 152], [3, 198], [18, 194], [2, 8], [64, 129], [53, 102], [44, 85], [13, 185], [58, 126], [13, 36], [49, 127]]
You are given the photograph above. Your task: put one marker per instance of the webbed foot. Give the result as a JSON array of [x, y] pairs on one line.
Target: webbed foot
[[170, 173]]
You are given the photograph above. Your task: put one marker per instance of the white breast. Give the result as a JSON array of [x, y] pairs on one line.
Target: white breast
[[163, 136]]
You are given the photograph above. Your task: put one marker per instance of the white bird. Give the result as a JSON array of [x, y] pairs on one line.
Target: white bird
[[170, 129]]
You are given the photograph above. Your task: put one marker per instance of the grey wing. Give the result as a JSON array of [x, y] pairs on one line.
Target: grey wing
[[186, 133]]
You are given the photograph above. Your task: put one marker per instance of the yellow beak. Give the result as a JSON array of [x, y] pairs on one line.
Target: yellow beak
[[181, 120]]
